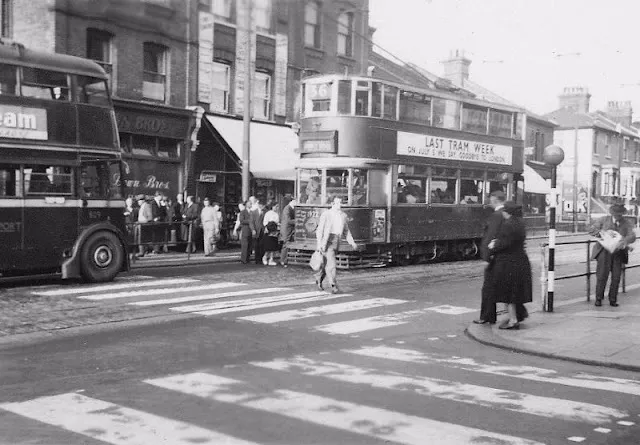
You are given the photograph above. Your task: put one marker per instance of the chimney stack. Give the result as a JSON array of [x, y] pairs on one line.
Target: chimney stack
[[456, 68], [575, 98], [620, 112]]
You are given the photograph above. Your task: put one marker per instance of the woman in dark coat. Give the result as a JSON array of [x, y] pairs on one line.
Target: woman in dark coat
[[512, 271]]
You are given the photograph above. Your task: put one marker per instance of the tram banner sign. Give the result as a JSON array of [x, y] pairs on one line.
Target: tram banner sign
[[23, 123], [438, 147]]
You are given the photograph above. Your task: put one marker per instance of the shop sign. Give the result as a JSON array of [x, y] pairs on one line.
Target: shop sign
[[23, 123], [438, 147], [208, 177], [147, 177], [170, 127]]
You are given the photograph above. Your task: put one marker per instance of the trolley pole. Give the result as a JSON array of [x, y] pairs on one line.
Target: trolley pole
[[553, 155], [246, 115]]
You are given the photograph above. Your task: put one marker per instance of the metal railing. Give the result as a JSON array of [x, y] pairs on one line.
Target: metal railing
[[588, 272], [160, 235]]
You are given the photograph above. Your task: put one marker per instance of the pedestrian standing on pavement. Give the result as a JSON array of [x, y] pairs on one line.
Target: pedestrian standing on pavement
[[178, 211], [236, 227], [190, 218], [491, 228], [245, 233], [332, 226], [512, 283], [270, 238], [210, 217], [611, 263], [257, 231], [145, 216], [287, 229]]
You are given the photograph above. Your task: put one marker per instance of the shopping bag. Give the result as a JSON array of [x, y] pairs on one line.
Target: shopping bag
[[317, 260], [610, 240]]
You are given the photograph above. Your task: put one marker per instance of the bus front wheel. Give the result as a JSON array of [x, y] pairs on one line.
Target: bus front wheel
[[101, 257]]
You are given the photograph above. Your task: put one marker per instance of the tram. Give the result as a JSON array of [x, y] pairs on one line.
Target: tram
[[414, 168]]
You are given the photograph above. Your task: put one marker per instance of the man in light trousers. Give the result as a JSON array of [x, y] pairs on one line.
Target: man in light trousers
[[331, 227]]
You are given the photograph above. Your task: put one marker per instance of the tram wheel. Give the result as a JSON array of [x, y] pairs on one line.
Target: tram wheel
[[101, 257]]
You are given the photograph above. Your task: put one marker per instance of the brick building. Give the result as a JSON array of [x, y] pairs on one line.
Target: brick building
[[142, 46], [608, 146], [177, 78]]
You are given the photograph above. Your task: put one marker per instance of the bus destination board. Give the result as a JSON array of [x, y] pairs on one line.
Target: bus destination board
[[438, 147]]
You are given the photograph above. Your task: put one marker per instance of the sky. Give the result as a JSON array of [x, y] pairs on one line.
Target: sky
[[524, 50]]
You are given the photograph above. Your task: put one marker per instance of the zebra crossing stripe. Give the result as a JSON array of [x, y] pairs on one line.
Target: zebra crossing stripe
[[317, 311], [151, 290], [444, 389], [366, 420], [115, 424], [255, 303], [114, 286], [188, 298], [368, 323], [580, 380]]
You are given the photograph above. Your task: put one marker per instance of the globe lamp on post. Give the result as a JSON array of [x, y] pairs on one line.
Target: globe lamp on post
[[553, 156]]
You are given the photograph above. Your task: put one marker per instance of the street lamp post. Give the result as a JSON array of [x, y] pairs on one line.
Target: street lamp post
[[553, 155]]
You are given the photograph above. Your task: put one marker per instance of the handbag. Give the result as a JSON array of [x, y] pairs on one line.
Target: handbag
[[317, 261]]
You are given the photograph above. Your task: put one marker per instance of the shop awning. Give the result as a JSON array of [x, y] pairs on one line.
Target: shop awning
[[272, 151], [534, 183]]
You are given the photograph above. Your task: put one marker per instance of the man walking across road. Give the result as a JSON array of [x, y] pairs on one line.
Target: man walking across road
[[608, 262], [491, 229], [332, 226], [287, 229]]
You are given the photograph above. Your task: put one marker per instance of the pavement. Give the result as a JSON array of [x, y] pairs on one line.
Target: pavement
[[576, 331]]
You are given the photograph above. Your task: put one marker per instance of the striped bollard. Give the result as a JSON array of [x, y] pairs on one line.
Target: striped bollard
[[553, 155]]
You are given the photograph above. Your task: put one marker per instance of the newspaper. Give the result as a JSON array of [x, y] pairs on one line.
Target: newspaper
[[610, 240]]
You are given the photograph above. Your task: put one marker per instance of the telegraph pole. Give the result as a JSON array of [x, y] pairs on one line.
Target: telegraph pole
[[246, 117]]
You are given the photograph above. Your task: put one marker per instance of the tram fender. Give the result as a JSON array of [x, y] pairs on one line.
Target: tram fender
[[71, 266]]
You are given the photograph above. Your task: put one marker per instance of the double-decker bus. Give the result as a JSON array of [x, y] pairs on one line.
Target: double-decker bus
[[414, 168], [60, 210]]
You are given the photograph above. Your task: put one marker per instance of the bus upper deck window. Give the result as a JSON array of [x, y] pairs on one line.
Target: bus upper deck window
[[44, 84], [9, 175], [8, 80], [91, 90]]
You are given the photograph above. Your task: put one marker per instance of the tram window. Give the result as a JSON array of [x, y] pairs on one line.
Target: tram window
[[94, 181], [9, 180], [378, 187], [446, 113], [8, 80], [443, 190], [390, 102], [48, 180], [376, 99], [91, 90], [362, 98], [474, 119], [493, 186], [359, 187], [500, 123], [337, 185], [471, 191], [45, 84], [310, 186], [320, 97], [344, 97], [411, 190], [415, 108]]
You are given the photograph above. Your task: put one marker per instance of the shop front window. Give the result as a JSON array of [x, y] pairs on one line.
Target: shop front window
[[143, 145], [310, 181]]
